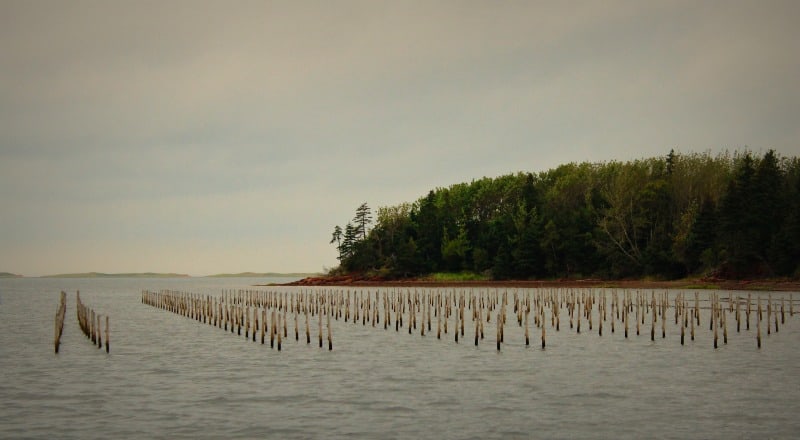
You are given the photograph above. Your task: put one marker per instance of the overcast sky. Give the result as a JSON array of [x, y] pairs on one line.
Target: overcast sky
[[228, 136]]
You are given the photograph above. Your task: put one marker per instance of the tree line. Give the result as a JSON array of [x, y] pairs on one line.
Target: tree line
[[730, 215]]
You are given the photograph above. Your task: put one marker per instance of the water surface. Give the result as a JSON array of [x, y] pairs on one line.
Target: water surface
[[171, 377]]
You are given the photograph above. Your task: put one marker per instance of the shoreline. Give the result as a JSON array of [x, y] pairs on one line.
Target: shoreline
[[685, 284]]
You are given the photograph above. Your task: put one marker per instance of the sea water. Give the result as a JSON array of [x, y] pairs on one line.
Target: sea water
[[168, 376]]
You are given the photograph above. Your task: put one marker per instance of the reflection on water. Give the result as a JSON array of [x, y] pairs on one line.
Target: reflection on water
[[172, 377]]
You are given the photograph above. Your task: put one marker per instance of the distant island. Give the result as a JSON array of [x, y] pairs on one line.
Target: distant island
[[117, 275], [9, 275], [170, 275], [263, 275]]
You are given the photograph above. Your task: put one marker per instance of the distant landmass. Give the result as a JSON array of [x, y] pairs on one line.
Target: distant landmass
[[169, 275], [9, 275], [117, 275], [262, 275]]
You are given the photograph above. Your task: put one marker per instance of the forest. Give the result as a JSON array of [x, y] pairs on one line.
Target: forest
[[732, 215]]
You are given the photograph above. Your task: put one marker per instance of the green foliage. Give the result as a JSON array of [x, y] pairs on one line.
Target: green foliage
[[663, 217]]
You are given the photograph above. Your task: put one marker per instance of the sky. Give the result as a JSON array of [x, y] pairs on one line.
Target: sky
[[206, 137]]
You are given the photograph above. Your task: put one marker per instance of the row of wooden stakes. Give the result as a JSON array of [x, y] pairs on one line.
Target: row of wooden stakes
[[90, 324], [265, 318], [242, 309]]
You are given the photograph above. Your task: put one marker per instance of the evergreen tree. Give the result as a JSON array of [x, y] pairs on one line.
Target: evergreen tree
[[702, 236], [337, 238], [348, 244], [362, 219], [768, 203], [785, 249], [739, 233], [428, 232]]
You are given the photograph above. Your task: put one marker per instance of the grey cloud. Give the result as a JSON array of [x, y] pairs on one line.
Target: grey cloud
[[226, 116]]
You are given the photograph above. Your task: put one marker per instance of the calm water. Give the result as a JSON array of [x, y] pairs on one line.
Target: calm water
[[171, 377]]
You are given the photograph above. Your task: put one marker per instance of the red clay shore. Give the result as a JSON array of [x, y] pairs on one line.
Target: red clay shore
[[700, 283]]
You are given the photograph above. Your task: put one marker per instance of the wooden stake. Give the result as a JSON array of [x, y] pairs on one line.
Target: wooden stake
[[455, 332], [272, 329], [99, 333], [747, 312], [758, 328], [438, 321], [683, 333], [527, 336], [724, 328], [107, 337], [263, 324], [319, 323], [308, 330], [544, 327], [769, 312], [653, 325], [330, 334], [477, 331], [279, 330], [714, 311], [776, 321], [499, 321]]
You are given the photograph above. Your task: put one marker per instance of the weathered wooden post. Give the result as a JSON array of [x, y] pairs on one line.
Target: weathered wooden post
[[769, 312], [738, 315], [308, 330], [455, 326], [683, 328], [600, 321], [438, 319], [319, 323], [747, 312], [758, 328], [653, 324], [59, 319], [527, 337], [330, 334], [724, 327], [776, 319], [697, 308], [499, 323], [272, 329], [713, 304], [263, 324], [626, 318], [279, 331], [545, 326]]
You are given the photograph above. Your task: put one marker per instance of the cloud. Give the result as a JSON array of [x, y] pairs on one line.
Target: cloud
[[197, 129]]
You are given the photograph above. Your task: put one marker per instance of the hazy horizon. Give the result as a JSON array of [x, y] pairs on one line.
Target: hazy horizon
[[212, 137], [163, 274]]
